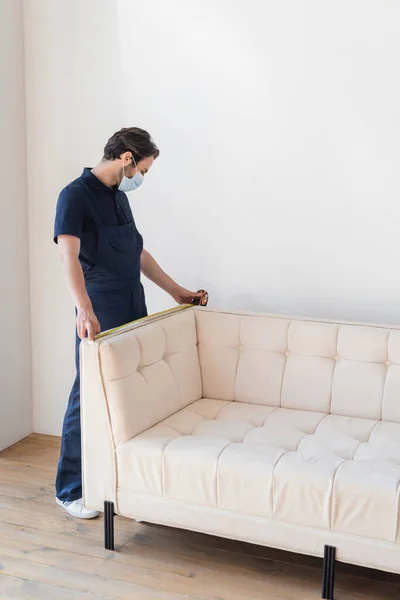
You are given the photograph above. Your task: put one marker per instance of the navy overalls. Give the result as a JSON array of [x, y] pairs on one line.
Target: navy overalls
[[111, 247]]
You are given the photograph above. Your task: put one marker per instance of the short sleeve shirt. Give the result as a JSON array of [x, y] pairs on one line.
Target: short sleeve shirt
[[74, 212]]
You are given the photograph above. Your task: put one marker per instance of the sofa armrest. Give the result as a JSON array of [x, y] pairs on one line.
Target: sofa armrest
[[99, 474], [131, 380]]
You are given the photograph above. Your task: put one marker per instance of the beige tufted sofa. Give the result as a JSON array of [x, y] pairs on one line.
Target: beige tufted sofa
[[277, 431]]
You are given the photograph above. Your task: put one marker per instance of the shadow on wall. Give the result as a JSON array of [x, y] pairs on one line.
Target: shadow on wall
[[299, 306], [251, 302], [327, 308]]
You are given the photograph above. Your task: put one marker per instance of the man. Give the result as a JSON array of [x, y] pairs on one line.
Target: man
[[103, 256]]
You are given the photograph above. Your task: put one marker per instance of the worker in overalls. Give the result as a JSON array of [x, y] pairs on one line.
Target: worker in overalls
[[103, 257]]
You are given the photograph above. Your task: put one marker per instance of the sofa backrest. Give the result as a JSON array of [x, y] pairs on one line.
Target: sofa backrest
[[149, 373], [343, 369]]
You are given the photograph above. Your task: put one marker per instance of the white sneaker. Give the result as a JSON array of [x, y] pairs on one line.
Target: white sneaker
[[76, 509]]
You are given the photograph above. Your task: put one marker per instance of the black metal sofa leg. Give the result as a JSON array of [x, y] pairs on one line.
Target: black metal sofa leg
[[109, 525], [328, 577]]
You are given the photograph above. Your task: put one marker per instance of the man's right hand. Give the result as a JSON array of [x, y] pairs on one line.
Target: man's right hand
[[87, 323]]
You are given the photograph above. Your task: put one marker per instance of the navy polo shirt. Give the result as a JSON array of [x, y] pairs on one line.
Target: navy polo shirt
[[74, 214]]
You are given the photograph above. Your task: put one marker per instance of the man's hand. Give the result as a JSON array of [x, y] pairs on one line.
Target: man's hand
[[86, 322], [183, 296]]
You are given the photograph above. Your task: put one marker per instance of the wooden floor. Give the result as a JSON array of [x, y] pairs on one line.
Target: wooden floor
[[46, 555]]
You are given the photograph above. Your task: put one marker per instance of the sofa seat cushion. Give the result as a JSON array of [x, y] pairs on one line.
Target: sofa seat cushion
[[302, 467]]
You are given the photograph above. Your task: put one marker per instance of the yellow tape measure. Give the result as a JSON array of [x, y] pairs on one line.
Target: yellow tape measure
[[201, 301]]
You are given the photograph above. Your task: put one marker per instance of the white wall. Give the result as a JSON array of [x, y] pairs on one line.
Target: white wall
[[278, 183], [74, 94], [15, 366], [277, 187]]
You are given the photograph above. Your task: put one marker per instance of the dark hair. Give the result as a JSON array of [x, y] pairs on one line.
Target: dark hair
[[130, 139]]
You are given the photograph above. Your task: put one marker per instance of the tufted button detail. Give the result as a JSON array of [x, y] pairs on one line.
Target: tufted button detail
[[337, 357], [287, 353], [388, 363]]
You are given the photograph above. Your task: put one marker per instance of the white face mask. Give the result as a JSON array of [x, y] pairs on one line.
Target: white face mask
[[128, 184]]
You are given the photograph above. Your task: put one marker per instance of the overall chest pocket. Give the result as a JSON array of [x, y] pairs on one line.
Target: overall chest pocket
[[123, 243]]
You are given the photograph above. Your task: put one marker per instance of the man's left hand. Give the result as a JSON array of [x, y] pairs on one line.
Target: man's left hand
[[184, 296]]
